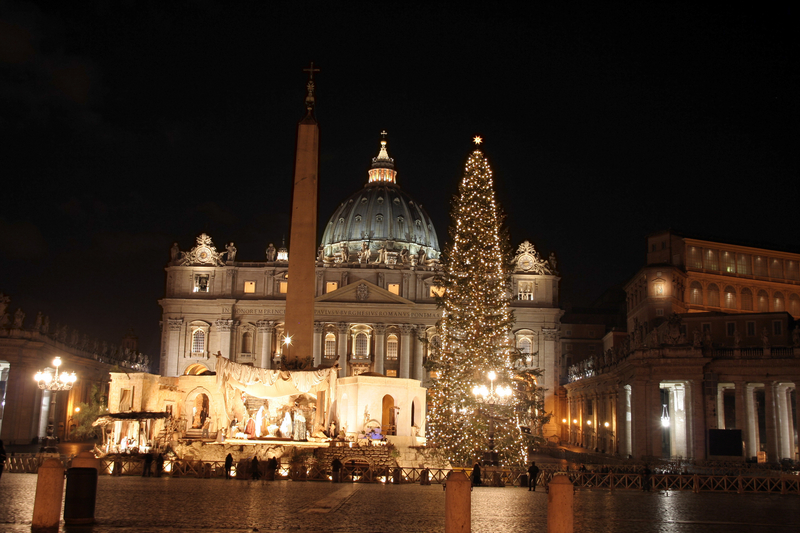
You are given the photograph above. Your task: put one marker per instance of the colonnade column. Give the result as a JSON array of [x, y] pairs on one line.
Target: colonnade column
[[20, 424], [419, 371], [797, 411], [654, 409], [405, 349], [770, 422], [342, 328], [695, 418], [316, 348], [751, 439], [173, 345], [622, 421], [739, 407], [380, 347], [785, 425]]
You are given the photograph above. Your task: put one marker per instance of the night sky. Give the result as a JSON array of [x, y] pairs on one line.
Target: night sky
[[129, 125]]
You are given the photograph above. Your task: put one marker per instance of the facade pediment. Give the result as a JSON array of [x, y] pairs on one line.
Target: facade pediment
[[363, 291]]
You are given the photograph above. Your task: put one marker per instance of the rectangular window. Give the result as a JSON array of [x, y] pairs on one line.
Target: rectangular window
[[743, 264], [706, 326], [760, 266], [777, 327], [751, 329], [249, 287], [729, 262], [201, 283], [710, 259], [730, 328], [394, 288], [283, 287], [331, 286], [792, 270], [393, 374], [659, 312], [695, 257], [776, 268]]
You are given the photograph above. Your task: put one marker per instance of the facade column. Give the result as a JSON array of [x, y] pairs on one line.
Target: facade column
[[751, 437], [620, 428], [696, 420], [655, 407], [224, 326], [316, 349], [342, 328], [797, 412], [380, 347], [419, 370], [771, 424], [405, 350], [784, 412], [175, 326], [739, 407], [550, 368], [267, 330], [639, 425]]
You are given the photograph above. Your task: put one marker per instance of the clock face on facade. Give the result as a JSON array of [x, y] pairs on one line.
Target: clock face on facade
[[203, 254], [526, 262]]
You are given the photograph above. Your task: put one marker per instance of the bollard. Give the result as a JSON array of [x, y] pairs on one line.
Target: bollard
[[49, 491], [79, 500], [457, 503], [559, 505], [86, 460]]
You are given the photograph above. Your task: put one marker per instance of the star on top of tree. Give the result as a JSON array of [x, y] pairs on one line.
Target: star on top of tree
[[477, 139]]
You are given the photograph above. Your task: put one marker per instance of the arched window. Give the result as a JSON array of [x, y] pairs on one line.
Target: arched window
[[199, 341], [794, 304], [763, 302], [730, 297], [525, 346], [330, 344], [247, 342], [391, 346], [747, 300], [696, 293], [361, 345], [713, 295], [778, 303]]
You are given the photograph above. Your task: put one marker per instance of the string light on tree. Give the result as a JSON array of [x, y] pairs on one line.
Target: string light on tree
[[475, 328]]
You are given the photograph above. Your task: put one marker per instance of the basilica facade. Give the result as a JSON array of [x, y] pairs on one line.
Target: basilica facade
[[375, 292]]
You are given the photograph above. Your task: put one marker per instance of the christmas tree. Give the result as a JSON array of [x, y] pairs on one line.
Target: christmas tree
[[475, 331]]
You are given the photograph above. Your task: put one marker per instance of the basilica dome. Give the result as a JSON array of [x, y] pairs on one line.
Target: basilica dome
[[382, 216]]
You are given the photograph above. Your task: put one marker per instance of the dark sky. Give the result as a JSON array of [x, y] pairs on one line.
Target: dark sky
[[129, 125]]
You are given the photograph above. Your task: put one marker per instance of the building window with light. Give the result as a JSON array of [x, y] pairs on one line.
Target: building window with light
[[743, 264], [792, 271], [247, 342], [331, 286], [394, 288], [695, 259], [777, 302], [760, 266], [330, 345], [729, 262], [361, 345], [710, 260], [696, 293], [391, 347], [730, 297], [794, 305], [198, 341], [201, 282], [249, 287]]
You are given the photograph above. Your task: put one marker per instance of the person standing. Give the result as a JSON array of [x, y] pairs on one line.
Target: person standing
[[533, 475], [476, 475], [336, 467], [228, 465], [159, 464], [255, 472], [148, 463]]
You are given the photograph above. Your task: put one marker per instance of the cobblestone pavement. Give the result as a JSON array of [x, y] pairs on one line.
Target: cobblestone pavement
[[138, 505]]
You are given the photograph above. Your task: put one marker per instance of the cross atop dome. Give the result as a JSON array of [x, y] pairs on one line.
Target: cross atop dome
[[382, 170], [310, 86]]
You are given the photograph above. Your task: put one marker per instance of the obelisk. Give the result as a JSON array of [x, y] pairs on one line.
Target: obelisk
[[299, 325]]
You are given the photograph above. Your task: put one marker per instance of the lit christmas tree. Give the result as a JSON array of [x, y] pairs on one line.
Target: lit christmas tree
[[475, 332]]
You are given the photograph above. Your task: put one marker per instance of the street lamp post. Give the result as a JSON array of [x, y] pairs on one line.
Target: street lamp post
[[54, 383], [492, 397]]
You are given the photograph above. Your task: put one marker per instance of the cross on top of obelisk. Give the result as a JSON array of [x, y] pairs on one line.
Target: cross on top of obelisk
[[310, 86]]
